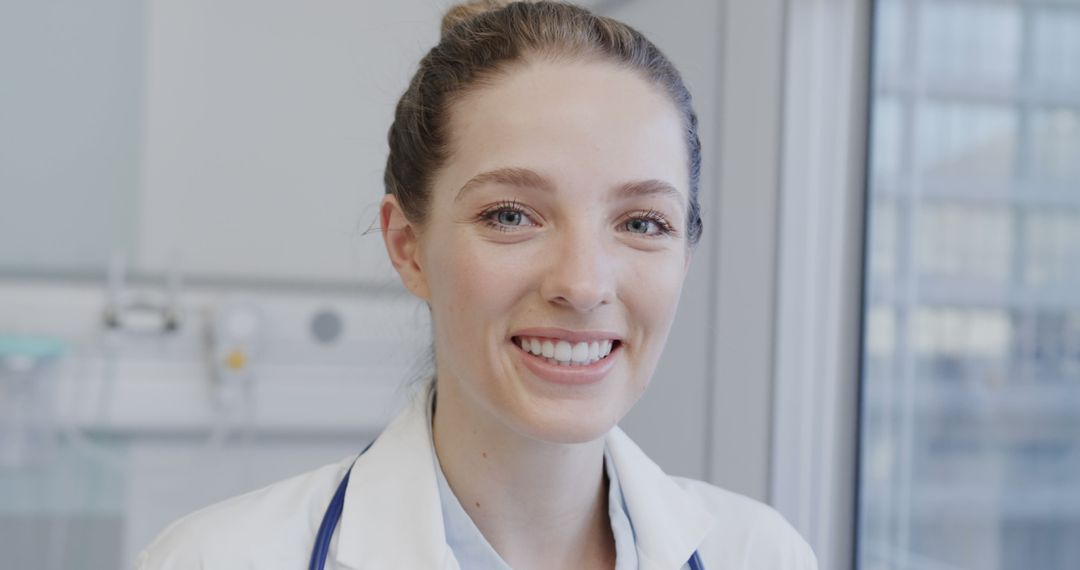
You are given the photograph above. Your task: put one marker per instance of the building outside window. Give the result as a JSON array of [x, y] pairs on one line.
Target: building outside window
[[970, 408]]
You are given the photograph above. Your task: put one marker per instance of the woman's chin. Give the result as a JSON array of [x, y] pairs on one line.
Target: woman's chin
[[567, 424]]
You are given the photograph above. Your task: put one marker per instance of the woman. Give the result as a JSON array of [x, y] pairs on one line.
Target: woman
[[542, 199]]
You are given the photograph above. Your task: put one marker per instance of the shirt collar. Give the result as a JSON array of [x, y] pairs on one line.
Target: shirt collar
[[392, 494], [669, 524], [622, 527]]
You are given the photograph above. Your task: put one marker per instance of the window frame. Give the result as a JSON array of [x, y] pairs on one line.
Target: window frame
[[820, 279]]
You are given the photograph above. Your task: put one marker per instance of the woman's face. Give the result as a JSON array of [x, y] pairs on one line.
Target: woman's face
[[553, 212]]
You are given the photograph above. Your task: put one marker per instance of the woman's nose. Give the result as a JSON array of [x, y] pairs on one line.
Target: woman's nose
[[581, 275]]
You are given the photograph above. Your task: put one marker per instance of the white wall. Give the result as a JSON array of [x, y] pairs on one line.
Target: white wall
[[265, 133]]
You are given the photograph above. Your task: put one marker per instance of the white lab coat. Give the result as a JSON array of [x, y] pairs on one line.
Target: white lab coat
[[392, 519]]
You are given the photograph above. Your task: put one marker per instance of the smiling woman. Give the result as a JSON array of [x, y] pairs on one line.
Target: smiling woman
[[562, 142], [542, 199]]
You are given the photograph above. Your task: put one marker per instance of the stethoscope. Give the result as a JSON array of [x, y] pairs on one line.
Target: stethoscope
[[333, 515]]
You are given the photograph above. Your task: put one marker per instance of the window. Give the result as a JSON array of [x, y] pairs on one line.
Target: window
[[970, 406]]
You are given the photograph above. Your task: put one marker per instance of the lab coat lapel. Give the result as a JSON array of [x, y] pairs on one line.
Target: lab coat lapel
[[669, 524], [392, 516]]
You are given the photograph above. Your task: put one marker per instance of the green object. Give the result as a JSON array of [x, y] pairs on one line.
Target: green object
[[36, 347]]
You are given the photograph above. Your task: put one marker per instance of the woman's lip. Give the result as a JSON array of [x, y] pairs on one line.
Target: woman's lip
[[571, 375], [568, 335]]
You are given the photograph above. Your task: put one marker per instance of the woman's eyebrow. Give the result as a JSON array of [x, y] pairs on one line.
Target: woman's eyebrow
[[525, 178], [510, 176], [647, 188]]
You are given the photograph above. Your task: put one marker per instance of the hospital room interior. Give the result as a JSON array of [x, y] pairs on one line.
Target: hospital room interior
[[879, 334]]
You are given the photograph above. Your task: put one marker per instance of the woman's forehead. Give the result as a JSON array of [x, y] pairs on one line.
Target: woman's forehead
[[572, 120]]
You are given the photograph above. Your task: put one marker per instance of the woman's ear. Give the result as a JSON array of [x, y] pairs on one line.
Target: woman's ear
[[403, 246]]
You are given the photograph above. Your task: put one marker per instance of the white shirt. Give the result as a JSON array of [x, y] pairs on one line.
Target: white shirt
[[392, 516]]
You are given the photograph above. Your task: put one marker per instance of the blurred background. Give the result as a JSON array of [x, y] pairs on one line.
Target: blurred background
[[879, 334], [971, 381]]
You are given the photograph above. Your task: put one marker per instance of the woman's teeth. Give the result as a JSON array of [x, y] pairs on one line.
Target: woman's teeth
[[563, 353]]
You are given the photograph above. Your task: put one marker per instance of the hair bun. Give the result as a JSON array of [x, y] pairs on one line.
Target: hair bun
[[466, 11]]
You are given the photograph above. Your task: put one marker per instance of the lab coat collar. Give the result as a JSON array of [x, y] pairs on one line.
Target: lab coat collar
[[669, 524], [391, 515]]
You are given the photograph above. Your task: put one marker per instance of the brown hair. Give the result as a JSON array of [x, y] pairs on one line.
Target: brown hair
[[482, 39]]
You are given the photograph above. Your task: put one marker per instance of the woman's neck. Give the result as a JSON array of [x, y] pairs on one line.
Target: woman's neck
[[539, 504]]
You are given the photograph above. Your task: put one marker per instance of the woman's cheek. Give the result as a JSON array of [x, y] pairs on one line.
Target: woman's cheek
[[476, 279], [478, 274], [660, 277]]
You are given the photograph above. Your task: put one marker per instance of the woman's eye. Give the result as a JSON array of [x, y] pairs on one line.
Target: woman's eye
[[508, 217], [504, 216], [640, 223]]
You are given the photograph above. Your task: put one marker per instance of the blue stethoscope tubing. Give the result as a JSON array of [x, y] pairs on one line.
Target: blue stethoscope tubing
[[333, 514]]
